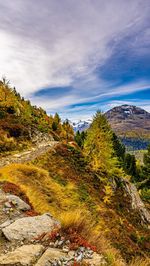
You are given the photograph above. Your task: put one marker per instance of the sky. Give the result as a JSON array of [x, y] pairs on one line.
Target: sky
[[77, 56]]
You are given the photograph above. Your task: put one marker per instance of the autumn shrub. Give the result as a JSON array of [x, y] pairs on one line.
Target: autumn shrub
[[76, 219], [7, 143]]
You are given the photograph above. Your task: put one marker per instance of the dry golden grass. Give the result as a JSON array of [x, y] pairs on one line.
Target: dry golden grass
[[44, 193], [140, 262], [76, 219]]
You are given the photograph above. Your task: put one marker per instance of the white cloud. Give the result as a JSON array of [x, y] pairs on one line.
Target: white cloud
[[59, 43]]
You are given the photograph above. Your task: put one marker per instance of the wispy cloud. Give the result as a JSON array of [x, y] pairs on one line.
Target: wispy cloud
[[71, 43]]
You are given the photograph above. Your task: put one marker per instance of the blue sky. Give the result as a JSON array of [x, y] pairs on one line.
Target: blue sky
[[74, 56]]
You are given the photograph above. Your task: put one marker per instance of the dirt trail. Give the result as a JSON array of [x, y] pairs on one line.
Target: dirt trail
[[28, 155]]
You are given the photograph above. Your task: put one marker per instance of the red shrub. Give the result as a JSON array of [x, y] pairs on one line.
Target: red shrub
[[31, 213]]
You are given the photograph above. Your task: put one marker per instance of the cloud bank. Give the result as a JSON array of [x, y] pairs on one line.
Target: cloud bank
[[71, 52]]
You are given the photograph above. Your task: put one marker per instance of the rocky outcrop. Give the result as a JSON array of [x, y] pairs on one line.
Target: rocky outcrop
[[22, 256], [40, 139], [28, 228], [53, 256], [11, 208], [17, 202], [27, 239], [136, 202]]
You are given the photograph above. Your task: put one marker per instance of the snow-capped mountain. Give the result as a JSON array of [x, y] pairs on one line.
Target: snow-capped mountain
[[81, 125], [125, 120]]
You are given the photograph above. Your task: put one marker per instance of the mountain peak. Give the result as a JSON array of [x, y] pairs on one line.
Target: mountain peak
[[127, 111]]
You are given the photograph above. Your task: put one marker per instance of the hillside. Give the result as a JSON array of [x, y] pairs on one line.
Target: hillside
[[22, 125], [80, 193], [59, 186]]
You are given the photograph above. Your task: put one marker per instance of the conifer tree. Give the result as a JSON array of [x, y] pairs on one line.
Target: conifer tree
[[67, 130], [130, 165], [80, 138], [146, 167], [119, 148]]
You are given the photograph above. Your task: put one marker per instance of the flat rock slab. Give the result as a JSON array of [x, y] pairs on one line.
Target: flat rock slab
[[51, 254], [28, 228], [97, 260], [22, 256], [17, 202]]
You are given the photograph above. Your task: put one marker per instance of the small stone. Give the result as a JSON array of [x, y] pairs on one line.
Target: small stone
[[67, 242], [51, 244], [65, 249], [82, 249], [80, 257], [60, 243], [56, 244]]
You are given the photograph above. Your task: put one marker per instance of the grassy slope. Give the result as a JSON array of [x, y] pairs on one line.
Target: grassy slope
[[60, 182]]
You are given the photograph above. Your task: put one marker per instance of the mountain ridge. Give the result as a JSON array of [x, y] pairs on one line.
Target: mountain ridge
[[129, 122]]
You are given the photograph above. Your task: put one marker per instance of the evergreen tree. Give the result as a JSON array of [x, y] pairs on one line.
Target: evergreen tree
[[57, 118], [67, 131], [80, 138], [130, 165], [146, 167], [118, 147], [54, 126]]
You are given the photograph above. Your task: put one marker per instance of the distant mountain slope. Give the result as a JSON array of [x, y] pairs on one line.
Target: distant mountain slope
[[129, 121], [131, 124]]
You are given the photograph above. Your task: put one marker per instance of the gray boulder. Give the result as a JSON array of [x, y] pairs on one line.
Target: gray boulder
[[28, 228]]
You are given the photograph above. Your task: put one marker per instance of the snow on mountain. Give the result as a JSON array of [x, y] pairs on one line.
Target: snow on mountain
[[81, 125]]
